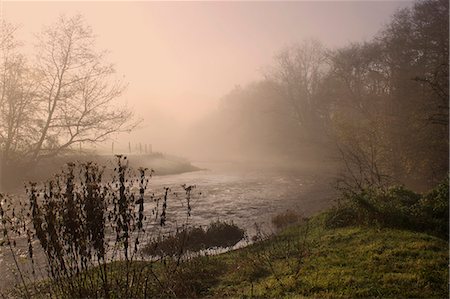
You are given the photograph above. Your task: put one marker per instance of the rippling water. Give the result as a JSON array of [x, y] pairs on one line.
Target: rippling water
[[243, 196]]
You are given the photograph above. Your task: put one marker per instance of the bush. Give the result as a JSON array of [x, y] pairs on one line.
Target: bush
[[286, 219], [395, 207], [217, 234], [222, 234], [342, 216], [433, 208]]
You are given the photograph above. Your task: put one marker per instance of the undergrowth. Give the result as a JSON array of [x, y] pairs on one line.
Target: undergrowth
[[395, 207], [77, 227]]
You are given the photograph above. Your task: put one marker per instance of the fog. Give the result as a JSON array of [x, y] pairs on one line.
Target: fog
[[181, 58]]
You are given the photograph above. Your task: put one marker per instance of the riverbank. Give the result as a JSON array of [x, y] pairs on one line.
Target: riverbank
[[249, 198], [314, 261], [162, 164], [306, 260], [376, 243]]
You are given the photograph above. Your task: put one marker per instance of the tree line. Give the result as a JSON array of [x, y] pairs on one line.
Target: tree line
[[380, 106]]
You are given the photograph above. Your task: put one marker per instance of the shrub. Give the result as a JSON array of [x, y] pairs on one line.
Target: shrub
[[395, 207], [286, 219], [433, 208], [342, 216], [86, 226], [223, 234], [217, 234]]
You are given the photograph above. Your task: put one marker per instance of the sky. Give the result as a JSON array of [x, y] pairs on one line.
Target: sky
[[180, 58]]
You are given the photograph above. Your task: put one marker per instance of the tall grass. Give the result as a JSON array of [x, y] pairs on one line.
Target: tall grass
[[89, 232]]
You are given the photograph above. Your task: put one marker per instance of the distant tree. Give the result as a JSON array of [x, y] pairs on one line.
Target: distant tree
[[359, 89], [250, 122], [384, 103], [17, 99], [417, 53], [298, 71]]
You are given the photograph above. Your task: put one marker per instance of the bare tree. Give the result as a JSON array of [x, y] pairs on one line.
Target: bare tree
[[361, 116], [76, 90], [298, 72], [64, 96], [17, 91]]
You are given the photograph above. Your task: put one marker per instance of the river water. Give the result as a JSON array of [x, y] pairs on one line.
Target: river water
[[248, 196], [244, 195]]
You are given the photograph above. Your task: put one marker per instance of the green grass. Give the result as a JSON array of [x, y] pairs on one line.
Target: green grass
[[344, 262], [308, 260]]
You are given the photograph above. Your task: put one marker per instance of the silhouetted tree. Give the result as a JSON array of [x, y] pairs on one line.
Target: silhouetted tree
[[66, 96], [76, 90]]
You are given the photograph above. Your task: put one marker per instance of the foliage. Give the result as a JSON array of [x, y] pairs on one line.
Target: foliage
[[395, 207], [433, 209]]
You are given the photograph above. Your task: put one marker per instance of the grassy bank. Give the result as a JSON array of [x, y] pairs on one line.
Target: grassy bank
[[162, 165], [307, 260], [376, 243], [343, 262]]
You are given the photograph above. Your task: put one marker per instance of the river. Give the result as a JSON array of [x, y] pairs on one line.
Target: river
[[244, 195]]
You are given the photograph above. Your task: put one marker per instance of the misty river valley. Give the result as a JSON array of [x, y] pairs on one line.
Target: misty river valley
[[224, 149]]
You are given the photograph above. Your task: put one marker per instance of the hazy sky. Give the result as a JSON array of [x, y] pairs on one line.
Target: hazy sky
[[179, 58]]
